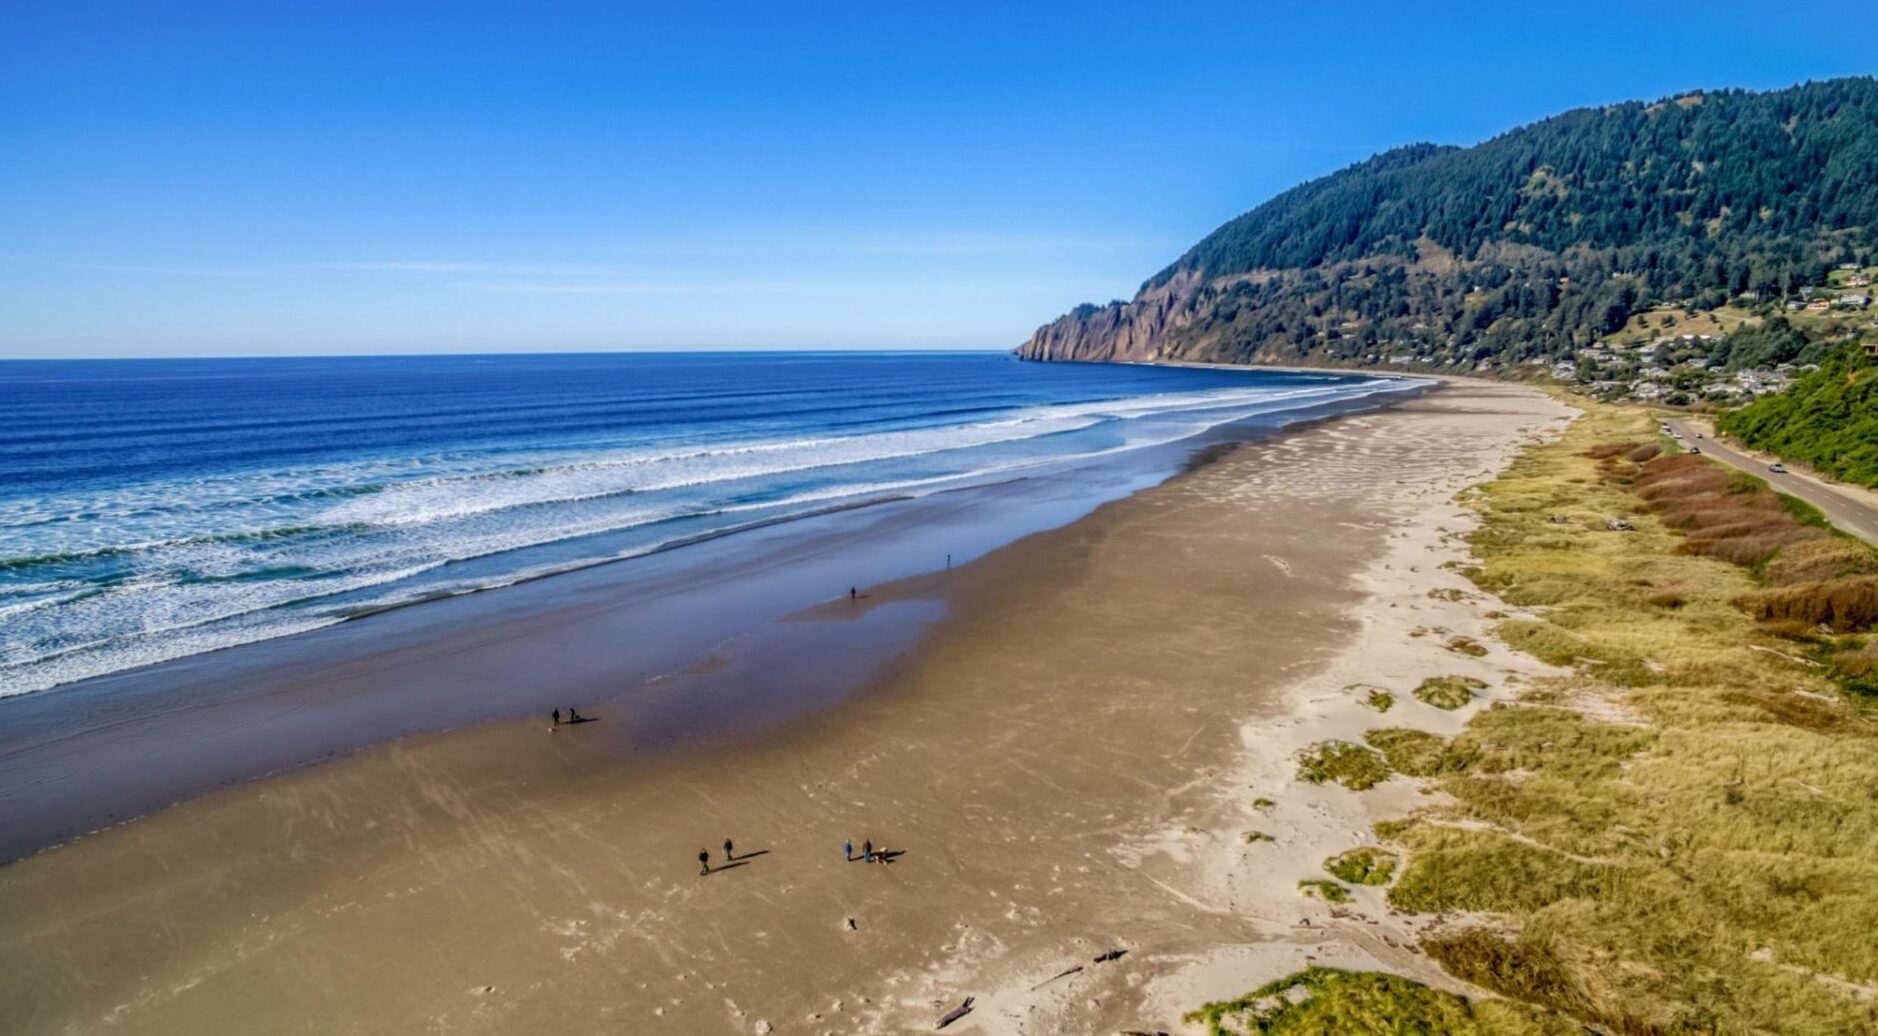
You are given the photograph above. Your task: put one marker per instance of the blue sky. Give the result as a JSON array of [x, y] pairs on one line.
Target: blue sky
[[252, 178]]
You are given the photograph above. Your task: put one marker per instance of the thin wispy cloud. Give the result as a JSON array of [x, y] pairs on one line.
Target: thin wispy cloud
[[459, 266], [794, 287], [785, 243], [157, 269]]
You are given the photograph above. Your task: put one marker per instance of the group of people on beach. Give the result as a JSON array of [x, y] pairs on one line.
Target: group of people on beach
[[704, 857], [573, 715], [869, 854]]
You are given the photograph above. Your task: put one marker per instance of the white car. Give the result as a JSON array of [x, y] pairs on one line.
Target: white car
[[1778, 469]]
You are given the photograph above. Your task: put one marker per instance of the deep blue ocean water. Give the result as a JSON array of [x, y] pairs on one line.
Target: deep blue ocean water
[[151, 509]]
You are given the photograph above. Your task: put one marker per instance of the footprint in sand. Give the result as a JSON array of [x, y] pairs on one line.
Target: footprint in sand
[[1278, 563]]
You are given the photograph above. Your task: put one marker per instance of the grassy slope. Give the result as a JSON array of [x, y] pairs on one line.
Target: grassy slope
[[1710, 867], [1828, 419]]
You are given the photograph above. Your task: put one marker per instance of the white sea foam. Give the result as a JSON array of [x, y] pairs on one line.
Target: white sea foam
[[382, 531]]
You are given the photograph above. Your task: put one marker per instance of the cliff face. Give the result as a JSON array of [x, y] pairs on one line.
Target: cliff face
[[1138, 331]]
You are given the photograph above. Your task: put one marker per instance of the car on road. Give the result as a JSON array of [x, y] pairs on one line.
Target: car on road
[[1695, 449], [1778, 469]]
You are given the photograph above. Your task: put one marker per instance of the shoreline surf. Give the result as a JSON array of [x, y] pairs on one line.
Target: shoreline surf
[[156, 735], [106, 571]]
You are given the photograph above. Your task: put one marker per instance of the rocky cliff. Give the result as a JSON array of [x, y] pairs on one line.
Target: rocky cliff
[[1137, 331]]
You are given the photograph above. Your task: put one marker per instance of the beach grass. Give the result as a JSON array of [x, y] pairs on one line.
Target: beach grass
[[1366, 865], [1351, 765], [1328, 891], [1677, 835], [1448, 692], [1681, 835], [1322, 1001], [1466, 646], [1414, 752]]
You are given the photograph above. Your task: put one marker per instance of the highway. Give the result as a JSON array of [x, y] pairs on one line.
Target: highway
[[1852, 509]]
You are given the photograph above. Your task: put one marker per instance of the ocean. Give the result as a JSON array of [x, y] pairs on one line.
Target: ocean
[[155, 509]]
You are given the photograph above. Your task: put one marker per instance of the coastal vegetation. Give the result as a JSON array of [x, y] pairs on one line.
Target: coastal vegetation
[[1448, 692], [1365, 865], [1680, 834], [1530, 246], [1828, 419], [1324, 1001], [1328, 891], [1341, 762], [1414, 752]]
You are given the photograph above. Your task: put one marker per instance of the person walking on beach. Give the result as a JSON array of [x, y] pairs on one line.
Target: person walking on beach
[[852, 593], [727, 853], [704, 862], [847, 850], [867, 850], [557, 717]]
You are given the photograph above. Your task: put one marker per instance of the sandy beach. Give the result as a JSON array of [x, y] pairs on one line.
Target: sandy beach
[[1067, 762]]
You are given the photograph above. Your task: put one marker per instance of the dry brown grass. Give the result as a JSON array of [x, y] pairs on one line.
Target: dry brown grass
[[1842, 605], [1819, 560], [1727, 515], [1812, 578]]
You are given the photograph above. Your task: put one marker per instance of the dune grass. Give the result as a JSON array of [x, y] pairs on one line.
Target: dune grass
[[1466, 646], [1681, 834], [1351, 765], [1448, 692], [1328, 891], [1329, 1002], [1709, 867], [1414, 752], [1375, 697], [1366, 865]]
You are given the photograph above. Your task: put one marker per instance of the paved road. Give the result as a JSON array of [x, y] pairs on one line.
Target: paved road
[[1851, 509]]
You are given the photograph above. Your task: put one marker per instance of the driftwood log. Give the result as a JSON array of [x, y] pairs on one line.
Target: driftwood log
[[957, 1012]]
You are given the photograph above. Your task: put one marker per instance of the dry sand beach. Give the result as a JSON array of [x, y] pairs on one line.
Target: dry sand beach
[[1069, 763]]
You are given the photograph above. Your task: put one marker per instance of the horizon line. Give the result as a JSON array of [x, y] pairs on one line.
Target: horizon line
[[696, 350]]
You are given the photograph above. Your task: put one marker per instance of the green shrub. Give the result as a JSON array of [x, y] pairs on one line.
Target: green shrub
[[1352, 766], [1414, 752], [1367, 865], [1328, 891], [1331, 1002], [1448, 692]]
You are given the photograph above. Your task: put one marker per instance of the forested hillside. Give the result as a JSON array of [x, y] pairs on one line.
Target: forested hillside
[[1829, 419], [1527, 246]]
